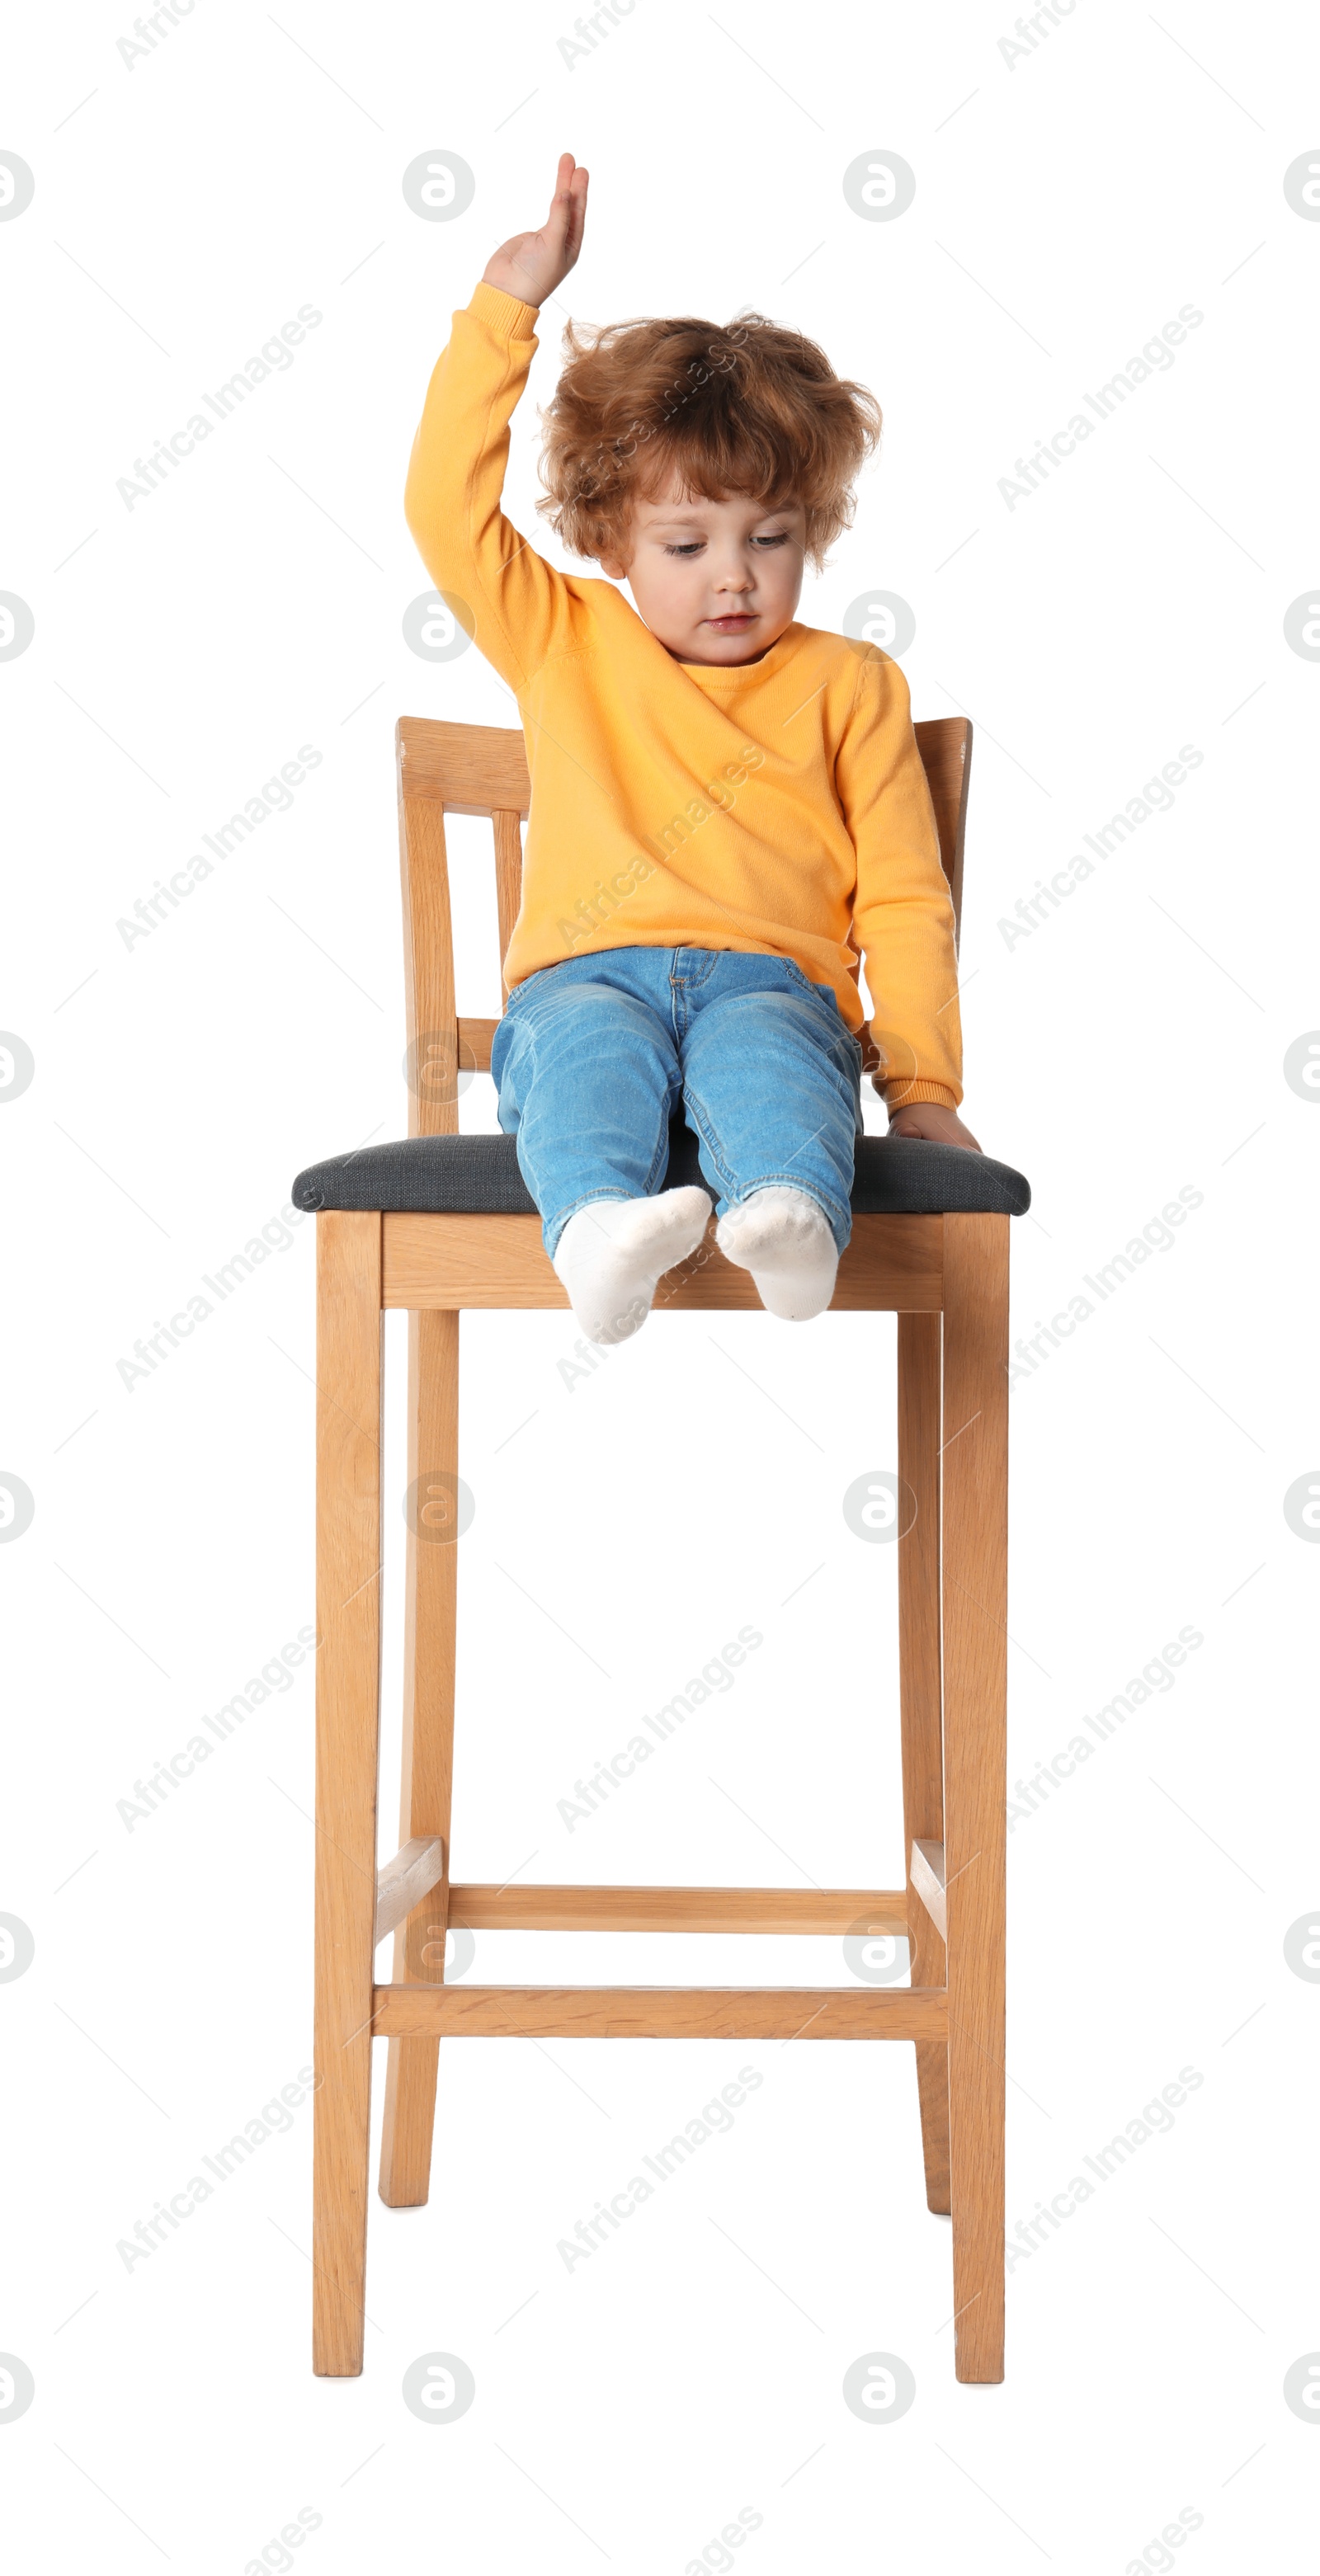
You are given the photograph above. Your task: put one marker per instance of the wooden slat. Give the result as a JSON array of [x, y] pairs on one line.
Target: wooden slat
[[945, 745], [430, 1610], [974, 1576], [475, 1038], [467, 769], [919, 1698], [928, 1882], [428, 971], [406, 1879], [489, 1908], [892, 1263], [508, 877], [348, 1427], [661, 2012]]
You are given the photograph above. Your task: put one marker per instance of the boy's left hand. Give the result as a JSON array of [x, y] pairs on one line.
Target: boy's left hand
[[939, 1126]]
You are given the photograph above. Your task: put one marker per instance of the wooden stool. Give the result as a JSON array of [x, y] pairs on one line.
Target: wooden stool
[[442, 1223]]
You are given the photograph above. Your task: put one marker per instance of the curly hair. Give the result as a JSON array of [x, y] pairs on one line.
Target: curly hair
[[752, 408]]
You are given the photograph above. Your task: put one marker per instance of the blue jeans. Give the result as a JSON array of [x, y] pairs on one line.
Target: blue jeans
[[593, 1057]]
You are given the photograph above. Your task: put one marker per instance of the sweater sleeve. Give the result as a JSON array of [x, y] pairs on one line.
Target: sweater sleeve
[[513, 603], [902, 910]]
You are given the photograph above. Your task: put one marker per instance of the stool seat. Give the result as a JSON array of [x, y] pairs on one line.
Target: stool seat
[[479, 1176]]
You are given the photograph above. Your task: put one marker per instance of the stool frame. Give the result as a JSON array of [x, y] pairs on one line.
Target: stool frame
[[946, 1279]]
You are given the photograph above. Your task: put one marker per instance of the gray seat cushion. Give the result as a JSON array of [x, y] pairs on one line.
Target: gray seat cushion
[[479, 1176]]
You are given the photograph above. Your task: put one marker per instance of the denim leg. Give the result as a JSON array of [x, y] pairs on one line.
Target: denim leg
[[772, 1087], [588, 1077]]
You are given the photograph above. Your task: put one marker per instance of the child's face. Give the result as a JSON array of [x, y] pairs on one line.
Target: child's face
[[716, 581]]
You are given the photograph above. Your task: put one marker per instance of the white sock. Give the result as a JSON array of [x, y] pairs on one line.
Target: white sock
[[785, 1240], [612, 1255]]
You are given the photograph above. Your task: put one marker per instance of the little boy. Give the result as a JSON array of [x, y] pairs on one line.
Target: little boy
[[728, 809]]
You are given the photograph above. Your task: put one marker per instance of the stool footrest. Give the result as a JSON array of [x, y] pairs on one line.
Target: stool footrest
[[660, 2012], [927, 1868], [406, 1879], [678, 1909]]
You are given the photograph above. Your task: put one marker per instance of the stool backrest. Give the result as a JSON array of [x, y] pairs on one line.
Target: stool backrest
[[482, 769]]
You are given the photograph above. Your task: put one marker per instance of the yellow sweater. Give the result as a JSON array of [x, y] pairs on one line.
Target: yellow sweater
[[776, 807]]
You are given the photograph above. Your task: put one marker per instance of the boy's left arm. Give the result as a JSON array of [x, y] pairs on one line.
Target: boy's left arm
[[903, 911]]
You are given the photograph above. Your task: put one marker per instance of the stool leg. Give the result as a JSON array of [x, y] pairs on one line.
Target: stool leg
[[431, 1604], [348, 1425], [919, 1690], [974, 1588]]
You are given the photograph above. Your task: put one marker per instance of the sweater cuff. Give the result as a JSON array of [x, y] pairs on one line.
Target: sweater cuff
[[900, 1094], [505, 315]]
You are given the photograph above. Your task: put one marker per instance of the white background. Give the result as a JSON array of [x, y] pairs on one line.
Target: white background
[[1068, 204]]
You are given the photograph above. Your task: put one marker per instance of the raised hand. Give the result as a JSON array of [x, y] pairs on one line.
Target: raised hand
[[532, 265]]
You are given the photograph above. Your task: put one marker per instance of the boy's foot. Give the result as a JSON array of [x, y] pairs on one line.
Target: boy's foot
[[785, 1240], [612, 1255]]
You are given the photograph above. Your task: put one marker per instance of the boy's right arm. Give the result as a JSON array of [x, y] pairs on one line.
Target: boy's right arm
[[497, 586], [516, 606]]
